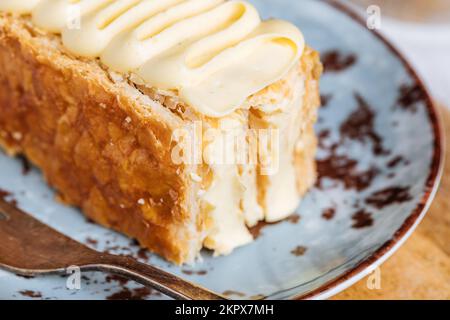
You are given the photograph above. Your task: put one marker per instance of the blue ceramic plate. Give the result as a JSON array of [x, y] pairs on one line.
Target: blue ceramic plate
[[379, 163]]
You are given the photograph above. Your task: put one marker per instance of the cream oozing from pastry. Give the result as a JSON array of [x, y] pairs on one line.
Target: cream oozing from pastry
[[214, 53]]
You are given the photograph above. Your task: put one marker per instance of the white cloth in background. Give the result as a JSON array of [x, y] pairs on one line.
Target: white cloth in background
[[427, 47]]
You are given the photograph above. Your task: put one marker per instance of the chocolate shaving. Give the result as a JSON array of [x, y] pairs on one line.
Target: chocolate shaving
[[388, 197], [256, 231], [362, 219], [323, 136], [335, 61], [91, 241], [294, 219], [199, 273], [31, 294], [344, 169], [325, 99], [299, 251], [360, 126], [26, 166], [121, 280], [395, 162], [143, 254], [409, 96], [133, 294], [6, 194], [329, 213]]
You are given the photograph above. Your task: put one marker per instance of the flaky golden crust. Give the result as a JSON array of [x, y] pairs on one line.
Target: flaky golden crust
[[305, 154], [100, 149]]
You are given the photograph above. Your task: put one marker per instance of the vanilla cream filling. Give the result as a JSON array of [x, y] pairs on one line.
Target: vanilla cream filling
[[214, 53], [282, 196], [232, 197], [227, 191]]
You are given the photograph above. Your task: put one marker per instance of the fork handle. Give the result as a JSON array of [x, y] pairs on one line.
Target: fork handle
[[158, 279]]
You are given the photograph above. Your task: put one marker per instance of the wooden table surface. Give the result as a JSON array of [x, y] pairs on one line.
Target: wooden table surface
[[420, 269]]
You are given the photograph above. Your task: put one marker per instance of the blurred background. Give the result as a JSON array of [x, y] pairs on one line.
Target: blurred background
[[421, 30]]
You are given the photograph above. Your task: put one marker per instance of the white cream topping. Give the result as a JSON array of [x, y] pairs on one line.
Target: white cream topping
[[214, 53]]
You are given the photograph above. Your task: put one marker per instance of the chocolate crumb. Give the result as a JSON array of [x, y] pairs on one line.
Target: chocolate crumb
[[299, 251], [143, 254], [329, 213], [134, 294], [112, 249], [362, 219], [89, 220], [344, 169], [389, 196], [322, 136], [409, 96], [325, 99], [294, 219], [112, 277], [256, 231], [6, 194], [26, 167], [31, 294], [91, 241], [199, 273], [360, 126], [134, 242], [395, 162], [188, 272], [335, 61]]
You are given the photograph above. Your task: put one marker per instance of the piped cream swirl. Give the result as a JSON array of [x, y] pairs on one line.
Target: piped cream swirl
[[214, 53]]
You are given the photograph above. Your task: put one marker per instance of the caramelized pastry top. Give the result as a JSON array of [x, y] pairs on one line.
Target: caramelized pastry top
[[213, 53]]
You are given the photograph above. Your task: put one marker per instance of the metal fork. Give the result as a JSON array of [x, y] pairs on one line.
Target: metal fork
[[29, 247]]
